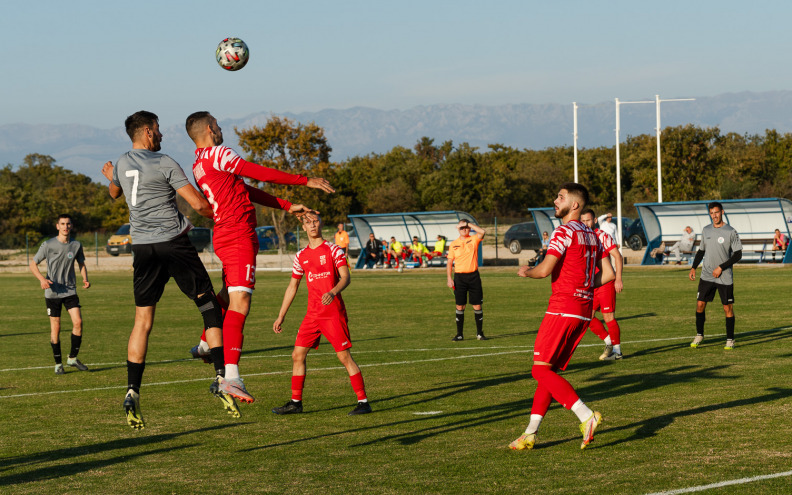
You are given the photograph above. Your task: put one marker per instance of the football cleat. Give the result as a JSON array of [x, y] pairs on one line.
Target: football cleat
[[59, 369], [698, 339], [361, 408], [481, 336], [729, 344], [291, 407], [235, 387], [132, 410], [77, 364], [216, 388], [525, 442], [197, 352], [457, 338], [607, 353], [614, 356], [587, 428]]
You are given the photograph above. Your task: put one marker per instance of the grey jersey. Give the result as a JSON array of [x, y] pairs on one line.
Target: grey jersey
[[60, 266], [718, 246], [149, 181]]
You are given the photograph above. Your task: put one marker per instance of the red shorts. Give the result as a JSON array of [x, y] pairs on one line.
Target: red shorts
[[335, 330], [237, 251], [605, 298], [558, 338]]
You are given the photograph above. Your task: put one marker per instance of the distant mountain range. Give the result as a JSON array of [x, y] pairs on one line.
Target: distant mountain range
[[360, 131]]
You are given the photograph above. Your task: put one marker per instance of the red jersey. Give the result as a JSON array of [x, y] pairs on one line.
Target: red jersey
[[218, 171], [577, 249], [321, 264]]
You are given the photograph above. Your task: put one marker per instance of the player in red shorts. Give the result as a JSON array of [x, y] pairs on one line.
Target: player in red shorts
[[219, 173], [605, 296], [325, 266], [572, 259]]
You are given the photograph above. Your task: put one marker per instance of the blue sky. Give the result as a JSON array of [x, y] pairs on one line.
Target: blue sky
[[95, 62]]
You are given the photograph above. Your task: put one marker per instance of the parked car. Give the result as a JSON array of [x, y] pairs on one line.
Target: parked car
[[200, 237], [120, 242], [633, 234], [268, 239], [522, 236]]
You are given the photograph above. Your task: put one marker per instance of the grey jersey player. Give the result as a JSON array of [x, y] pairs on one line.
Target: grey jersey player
[[720, 248], [60, 288]]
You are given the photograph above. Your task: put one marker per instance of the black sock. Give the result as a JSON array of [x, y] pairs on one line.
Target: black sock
[[460, 320], [700, 319], [478, 315], [218, 360], [730, 327], [56, 352], [135, 375], [76, 340]]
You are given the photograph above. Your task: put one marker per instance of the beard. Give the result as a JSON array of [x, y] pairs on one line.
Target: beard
[[562, 212]]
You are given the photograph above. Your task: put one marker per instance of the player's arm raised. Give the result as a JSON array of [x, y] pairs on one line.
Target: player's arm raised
[[343, 282], [107, 171], [266, 174], [288, 297], [196, 200], [265, 199]]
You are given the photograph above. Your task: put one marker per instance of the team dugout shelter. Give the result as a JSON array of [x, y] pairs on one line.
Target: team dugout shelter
[[545, 220], [755, 220], [426, 225]]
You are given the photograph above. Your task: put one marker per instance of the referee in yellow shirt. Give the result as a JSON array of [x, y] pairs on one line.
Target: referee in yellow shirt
[[466, 281]]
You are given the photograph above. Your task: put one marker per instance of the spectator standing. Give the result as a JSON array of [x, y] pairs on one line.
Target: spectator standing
[[342, 238], [607, 224]]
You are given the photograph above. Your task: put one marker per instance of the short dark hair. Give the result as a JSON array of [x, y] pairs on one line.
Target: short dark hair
[[63, 215], [588, 211], [195, 121], [578, 190], [138, 121], [715, 204]]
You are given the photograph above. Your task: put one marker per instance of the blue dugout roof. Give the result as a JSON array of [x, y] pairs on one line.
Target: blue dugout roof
[[754, 219], [427, 225]]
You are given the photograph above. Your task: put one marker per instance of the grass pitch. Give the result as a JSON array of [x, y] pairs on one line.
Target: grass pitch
[[444, 412]]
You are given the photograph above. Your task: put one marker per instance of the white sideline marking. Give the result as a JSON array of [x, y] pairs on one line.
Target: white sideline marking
[[427, 413], [724, 483]]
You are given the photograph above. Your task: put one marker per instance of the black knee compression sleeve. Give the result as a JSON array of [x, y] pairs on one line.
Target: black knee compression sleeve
[[210, 310]]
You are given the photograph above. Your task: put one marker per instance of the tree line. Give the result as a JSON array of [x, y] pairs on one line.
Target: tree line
[[499, 181]]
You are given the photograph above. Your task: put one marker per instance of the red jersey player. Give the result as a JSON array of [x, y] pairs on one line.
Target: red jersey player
[[327, 272], [573, 256], [605, 296], [219, 173]]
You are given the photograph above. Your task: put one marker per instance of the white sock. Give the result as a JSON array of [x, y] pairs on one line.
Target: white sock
[[581, 410], [231, 371], [363, 400], [608, 340], [533, 425], [617, 348], [203, 346]]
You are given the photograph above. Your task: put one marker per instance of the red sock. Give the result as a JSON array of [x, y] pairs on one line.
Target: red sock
[[614, 331], [554, 383], [298, 383], [357, 385], [598, 328], [233, 324], [541, 401]]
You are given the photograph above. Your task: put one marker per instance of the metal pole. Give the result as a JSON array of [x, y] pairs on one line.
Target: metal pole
[[27, 247], [659, 169], [618, 181], [96, 243], [575, 135], [496, 236]]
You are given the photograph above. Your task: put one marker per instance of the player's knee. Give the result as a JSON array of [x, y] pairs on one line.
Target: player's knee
[[210, 310], [539, 370]]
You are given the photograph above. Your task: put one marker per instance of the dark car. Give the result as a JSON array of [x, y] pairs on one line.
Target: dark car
[[522, 236], [268, 239], [200, 237], [633, 233]]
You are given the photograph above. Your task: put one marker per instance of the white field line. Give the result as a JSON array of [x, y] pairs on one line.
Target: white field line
[[356, 352], [720, 484]]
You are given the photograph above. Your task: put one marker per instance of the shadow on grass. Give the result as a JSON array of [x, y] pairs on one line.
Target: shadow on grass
[[17, 334], [49, 472], [632, 317]]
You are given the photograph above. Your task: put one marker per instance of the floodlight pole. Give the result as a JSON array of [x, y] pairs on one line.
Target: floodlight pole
[[618, 171], [575, 135], [659, 173]]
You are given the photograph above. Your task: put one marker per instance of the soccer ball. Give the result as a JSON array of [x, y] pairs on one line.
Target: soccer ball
[[232, 54], [401, 268]]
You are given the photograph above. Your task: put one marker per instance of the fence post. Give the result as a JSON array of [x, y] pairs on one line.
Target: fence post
[[27, 247], [496, 237], [96, 243]]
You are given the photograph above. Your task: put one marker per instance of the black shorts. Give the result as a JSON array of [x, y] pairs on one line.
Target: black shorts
[[706, 292], [54, 304], [467, 288], [154, 264]]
